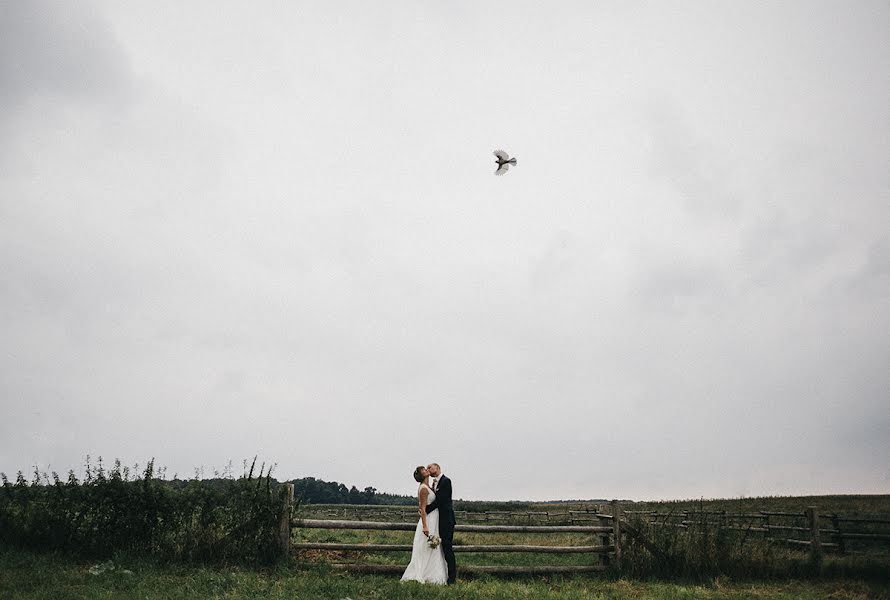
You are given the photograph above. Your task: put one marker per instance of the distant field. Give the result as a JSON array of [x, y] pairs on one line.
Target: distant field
[[851, 505]]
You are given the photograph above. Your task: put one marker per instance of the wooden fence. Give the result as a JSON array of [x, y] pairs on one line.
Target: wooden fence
[[607, 524], [808, 530], [605, 542]]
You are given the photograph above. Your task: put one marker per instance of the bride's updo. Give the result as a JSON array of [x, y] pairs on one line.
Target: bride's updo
[[418, 473]]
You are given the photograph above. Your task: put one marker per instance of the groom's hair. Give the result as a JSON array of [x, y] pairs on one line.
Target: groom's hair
[[418, 473], [437, 464]]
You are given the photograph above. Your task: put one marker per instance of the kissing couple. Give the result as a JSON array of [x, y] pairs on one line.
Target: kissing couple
[[432, 554]]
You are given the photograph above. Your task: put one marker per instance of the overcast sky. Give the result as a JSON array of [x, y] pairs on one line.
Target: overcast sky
[[229, 230]]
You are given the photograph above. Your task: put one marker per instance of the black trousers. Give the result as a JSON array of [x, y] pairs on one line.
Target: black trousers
[[446, 533]]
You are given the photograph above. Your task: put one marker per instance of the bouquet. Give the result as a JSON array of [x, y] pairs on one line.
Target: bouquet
[[433, 541]]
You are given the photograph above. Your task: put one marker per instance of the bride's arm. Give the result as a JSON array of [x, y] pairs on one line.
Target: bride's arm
[[422, 493]]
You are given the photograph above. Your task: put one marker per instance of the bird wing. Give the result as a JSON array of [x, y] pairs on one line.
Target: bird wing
[[501, 154], [502, 169]]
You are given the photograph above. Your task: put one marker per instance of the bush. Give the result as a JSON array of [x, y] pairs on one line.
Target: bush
[[230, 520]]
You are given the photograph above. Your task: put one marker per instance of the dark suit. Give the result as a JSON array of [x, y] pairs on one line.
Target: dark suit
[[446, 523]]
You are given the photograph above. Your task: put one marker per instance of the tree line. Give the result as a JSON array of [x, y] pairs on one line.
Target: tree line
[[318, 491]]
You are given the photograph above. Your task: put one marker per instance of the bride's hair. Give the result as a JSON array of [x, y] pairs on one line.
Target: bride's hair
[[418, 473]]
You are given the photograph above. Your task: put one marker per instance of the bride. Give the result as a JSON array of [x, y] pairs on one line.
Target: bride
[[427, 564]]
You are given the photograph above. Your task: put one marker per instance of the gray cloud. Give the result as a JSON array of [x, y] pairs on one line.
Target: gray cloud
[[224, 234], [54, 54]]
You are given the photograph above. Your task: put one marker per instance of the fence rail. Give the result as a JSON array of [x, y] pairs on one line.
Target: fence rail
[[325, 524], [475, 569], [372, 511], [458, 548]]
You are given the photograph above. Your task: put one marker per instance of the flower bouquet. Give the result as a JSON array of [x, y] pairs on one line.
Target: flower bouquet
[[433, 541]]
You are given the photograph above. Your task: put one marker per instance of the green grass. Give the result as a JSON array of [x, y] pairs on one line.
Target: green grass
[[32, 576], [365, 536]]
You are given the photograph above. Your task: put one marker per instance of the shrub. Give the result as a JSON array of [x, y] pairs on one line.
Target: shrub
[[229, 520]]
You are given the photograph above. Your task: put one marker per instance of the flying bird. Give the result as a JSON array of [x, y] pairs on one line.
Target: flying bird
[[504, 161]]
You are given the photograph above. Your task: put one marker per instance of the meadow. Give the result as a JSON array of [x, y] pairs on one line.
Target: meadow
[[40, 576], [113, 535]]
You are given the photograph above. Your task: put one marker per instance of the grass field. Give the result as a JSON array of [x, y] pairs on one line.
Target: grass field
[[28, 576], [757, 569]]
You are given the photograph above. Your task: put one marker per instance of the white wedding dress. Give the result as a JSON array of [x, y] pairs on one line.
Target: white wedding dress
[[427, 564]]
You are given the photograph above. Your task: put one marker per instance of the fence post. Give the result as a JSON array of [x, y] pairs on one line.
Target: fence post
[[815, 541], [284, 523], [604, 538], [616, 531], [835, 522]]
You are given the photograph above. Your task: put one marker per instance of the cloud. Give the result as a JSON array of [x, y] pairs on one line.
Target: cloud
[[696, 171], [683, 285], [58, 50], [224, 234]]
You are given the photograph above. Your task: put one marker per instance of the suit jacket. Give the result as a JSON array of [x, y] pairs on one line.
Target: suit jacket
[[443, 501]]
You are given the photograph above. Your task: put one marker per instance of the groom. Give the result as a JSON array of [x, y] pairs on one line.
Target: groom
[[442, 487]]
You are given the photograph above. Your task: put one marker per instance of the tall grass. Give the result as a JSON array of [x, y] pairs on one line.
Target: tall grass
[[701, 552], [708, 549], [230, 520]]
